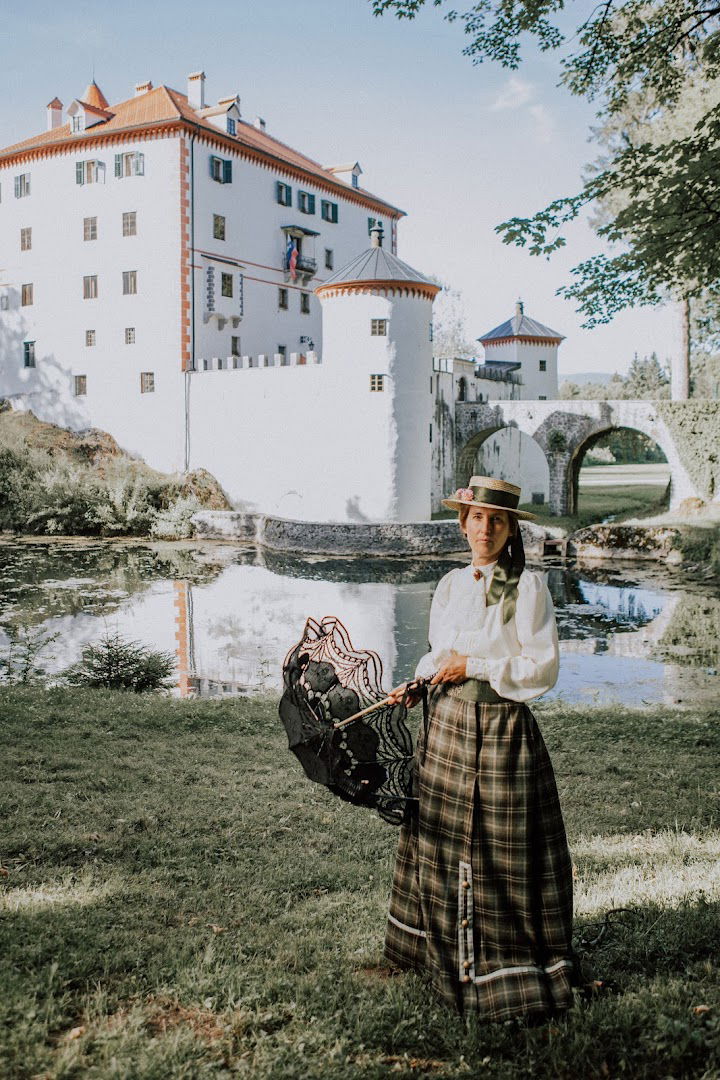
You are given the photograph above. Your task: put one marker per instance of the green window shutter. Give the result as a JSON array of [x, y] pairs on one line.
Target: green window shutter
[[334, 211], [311, 204], [79, 177], [227, 172], [118, 164]]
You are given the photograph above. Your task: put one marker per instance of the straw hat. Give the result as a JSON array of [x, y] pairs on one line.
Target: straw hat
[[492, 494]]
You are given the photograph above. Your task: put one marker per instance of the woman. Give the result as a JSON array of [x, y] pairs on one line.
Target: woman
[[482, 891]]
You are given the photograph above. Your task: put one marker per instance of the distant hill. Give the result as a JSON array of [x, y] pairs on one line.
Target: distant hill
[[584, 377]]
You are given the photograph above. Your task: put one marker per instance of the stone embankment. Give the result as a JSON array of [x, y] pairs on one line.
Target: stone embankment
[[659, 542], [386, 539]]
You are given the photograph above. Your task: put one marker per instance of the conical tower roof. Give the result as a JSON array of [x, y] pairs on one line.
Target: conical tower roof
[[376, 266], [94, 96], [520, 326]]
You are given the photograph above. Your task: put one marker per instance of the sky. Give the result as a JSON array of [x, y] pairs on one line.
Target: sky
[[459, 147]]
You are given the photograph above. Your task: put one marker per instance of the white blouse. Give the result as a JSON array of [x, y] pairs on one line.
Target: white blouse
[[519, 658]]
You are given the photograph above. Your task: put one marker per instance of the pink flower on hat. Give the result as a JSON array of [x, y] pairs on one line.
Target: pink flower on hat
[[464, 495]]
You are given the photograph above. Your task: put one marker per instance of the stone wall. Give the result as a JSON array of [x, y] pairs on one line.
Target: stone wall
[[387, 539]]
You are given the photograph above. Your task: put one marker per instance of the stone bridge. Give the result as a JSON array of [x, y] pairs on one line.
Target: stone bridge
[[565, 430]]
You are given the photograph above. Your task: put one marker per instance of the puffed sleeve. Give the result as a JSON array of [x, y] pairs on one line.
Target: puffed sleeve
[[439, 633], [535, 670]]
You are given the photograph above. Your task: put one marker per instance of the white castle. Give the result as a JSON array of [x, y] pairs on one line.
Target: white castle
[[169, 274]]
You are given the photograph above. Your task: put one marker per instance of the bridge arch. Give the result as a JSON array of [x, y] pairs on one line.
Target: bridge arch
[[573, 477], [564, 429]]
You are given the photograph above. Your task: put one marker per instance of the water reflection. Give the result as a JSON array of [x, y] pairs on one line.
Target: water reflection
[[632, 634]]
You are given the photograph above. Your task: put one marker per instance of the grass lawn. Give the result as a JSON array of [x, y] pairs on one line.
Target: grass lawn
[[178, 901]]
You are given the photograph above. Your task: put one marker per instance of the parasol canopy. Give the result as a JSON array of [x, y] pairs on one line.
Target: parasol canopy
[[366, 759]]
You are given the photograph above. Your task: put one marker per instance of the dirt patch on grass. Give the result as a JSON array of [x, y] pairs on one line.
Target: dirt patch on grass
[[165, 1014]]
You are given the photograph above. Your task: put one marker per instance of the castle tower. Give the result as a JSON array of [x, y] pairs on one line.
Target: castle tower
[[524, 341], [377, 351]]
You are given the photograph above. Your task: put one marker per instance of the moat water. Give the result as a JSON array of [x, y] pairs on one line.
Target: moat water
[[634, 633]]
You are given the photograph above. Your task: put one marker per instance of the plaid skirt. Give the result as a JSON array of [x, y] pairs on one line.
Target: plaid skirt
[[482, 890]]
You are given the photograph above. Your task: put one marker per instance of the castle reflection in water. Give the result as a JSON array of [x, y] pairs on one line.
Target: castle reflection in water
[[633, 634]]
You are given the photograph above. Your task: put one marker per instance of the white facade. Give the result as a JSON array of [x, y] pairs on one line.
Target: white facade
[[118, 309], [538, 366]]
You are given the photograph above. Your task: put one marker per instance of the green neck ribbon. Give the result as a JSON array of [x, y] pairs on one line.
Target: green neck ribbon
[[506, 575]]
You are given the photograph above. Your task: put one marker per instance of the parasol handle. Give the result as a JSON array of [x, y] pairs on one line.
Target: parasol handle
[[414, 685]]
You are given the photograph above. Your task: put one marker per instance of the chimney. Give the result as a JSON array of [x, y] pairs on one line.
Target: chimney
[[519, 309], [143, 88], [376, 235], [196, 90], [259, 123], [54, 114]]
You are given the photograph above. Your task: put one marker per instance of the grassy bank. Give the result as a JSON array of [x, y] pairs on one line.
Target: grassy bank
[[177, 901], [57, 482]]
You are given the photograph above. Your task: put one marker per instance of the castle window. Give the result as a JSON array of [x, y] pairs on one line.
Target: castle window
[[90, 172], [283, 299], [90, 287], [129, 335], [147, 382], [28, 354], [89, 337], [378, 327], [542, 397], [462, 388], [282, 353], [328, 259], [234, 345], [430, 433], [377, 383], [80, 385], [226, 285], [78, 123], [26, 295], [306, 202], [304, 303], [129, 280], [22, 185], [25, 239], [328, 211], [90, 228], [230, 126], [220, 170], [132, 164], [218, 227], [543, 365], [129, 223], [283, 193]]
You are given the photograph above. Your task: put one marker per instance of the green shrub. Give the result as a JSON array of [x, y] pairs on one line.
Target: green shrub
[[174, 522], [20, 662], [114, 663]]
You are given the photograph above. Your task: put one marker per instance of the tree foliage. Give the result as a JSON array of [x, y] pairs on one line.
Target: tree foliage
[[647, 380], [624, 53]]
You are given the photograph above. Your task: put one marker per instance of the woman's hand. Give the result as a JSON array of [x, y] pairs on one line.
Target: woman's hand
[[400, 693], [452, 670]]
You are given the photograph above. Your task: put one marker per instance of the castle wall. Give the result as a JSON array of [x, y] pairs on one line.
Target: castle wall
[[149, 424]]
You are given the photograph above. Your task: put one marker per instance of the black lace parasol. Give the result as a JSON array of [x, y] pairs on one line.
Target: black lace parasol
[[339, 724]]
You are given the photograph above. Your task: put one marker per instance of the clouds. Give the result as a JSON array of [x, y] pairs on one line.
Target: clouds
[[515, 93], [520, 96]]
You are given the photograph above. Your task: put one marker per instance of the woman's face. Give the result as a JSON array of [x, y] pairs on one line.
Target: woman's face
[[487, 532]]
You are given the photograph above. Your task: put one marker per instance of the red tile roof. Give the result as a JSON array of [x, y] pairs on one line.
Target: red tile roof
[[162, 107], [94, 96]]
